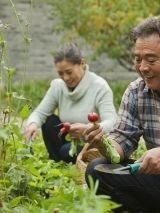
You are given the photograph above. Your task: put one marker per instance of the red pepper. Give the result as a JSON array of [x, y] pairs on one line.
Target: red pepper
[[93, 117]]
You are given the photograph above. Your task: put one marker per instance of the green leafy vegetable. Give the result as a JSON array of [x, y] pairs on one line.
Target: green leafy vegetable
[[74, 144], [111, 150]]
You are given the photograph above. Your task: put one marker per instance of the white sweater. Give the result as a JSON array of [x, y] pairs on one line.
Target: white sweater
[[92, 94]]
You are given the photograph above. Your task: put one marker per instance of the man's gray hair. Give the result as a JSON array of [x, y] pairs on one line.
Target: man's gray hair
[[147, 27]]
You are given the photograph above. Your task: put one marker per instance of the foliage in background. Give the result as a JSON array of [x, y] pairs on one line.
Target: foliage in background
[[118, 89], [104, 24], [31, 93]]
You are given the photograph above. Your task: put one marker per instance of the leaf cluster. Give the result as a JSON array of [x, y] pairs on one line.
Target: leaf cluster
[[32, 183], [105, 24]]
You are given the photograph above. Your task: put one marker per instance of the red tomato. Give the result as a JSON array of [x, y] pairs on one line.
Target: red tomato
[[93, 117]]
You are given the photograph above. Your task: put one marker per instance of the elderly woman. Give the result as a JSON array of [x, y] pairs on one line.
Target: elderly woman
[[75, 94]]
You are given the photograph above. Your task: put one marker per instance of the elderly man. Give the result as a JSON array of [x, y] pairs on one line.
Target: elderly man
[[139, 115]]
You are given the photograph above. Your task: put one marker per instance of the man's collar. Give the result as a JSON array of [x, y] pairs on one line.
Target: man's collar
[[150, 91]]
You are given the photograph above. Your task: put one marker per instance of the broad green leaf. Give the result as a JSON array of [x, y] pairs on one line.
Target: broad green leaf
[[34, 171], [25, 111]]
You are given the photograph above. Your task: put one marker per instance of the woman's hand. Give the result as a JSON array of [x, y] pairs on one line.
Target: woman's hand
[[150, 161], [76, 130], [31, 131], [94, 135]]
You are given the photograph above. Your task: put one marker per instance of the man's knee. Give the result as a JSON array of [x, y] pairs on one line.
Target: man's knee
[[90, 170]]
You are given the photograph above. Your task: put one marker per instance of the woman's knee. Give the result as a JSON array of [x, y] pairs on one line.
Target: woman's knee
[[51, 121], [51, 128], [64, 153]]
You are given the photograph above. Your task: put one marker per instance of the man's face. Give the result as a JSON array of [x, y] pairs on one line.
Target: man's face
[[147, 60]]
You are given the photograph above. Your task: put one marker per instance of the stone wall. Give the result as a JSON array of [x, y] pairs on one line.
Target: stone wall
[[44, 42]]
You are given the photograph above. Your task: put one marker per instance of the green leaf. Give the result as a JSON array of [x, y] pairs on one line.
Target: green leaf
[[20, 97], [16, 201], [73, 148], [68, 137], [111, 150], [24, 113], [34, 171], [3, 134]]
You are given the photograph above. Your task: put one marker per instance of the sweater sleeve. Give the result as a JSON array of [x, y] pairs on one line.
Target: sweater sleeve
[[105, 107], [47, 106]]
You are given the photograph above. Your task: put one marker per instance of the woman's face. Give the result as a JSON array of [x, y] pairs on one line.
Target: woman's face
[[70, 73]]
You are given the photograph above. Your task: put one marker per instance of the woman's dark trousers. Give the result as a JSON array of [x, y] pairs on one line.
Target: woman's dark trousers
[[136, 192], [58, 148]]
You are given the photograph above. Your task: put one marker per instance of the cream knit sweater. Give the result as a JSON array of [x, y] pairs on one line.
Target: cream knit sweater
[[92, 94]]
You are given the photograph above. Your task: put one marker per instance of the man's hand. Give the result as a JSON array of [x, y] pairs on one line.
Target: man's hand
[[150, 161], [31, 131], [94, 134]]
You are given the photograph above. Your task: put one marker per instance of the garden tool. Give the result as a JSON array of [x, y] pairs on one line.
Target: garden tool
[[118, 168], [30, 146]]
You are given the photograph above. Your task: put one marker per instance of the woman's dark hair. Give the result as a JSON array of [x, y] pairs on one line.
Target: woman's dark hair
[[69, 52], [149, 26]]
